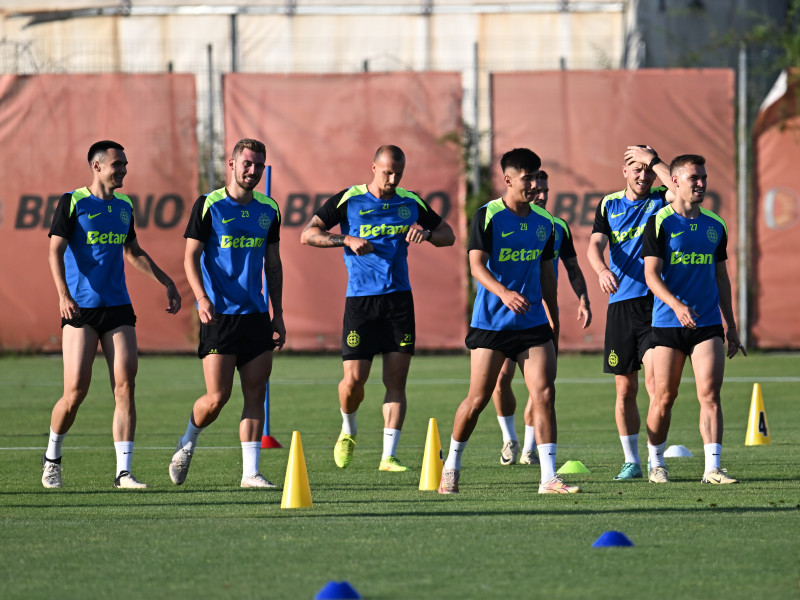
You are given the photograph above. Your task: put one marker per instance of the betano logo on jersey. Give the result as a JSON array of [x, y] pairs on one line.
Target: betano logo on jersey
[[690, 258], [507, 254], [382, 229], [621, 236], [230, 241], [114, 239]]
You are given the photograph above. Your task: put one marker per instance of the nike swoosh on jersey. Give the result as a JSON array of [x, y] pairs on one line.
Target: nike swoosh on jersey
[[677, 234], [227, 220], [504, 234], [95, 215], [614, 216], [365, 212]]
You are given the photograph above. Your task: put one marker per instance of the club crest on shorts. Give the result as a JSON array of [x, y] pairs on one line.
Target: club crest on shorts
[[353, 339], [613, 359]]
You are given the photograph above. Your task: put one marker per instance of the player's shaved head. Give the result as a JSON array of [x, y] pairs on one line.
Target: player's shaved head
[[394, 152]]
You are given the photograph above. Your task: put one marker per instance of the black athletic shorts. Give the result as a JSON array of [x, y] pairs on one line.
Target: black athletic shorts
[[685, 339], [377, 325], [246, 336], [510, 343], [103, 319], [628, 327]]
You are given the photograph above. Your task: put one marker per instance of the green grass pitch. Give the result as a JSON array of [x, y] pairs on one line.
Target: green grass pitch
[[496, 539]]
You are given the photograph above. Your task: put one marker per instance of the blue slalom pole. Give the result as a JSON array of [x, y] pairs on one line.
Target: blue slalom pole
[[267, 441]]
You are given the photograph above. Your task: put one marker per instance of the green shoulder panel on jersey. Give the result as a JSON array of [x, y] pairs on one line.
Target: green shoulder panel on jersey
[[662, 214], [563, 224], [403, 193], [608, 198], [124, 198], [543, 213], [492, 208], [213, 197], [356, 190], [264, 199], [708, 213], [77, 195]]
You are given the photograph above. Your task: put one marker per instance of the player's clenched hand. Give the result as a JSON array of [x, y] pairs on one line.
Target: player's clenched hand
[[278, 331], [608, 281], [516, 302], [206, 312], [358, 245]]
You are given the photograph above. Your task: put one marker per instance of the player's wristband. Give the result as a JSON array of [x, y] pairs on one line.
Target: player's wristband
[[654, 162]]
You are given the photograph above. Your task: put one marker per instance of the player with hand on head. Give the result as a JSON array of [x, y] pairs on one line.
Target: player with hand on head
[[91, 233], [619, 223], [232, 238]]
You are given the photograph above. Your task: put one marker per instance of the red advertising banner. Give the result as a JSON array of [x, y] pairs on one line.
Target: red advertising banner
[[47, 123], [580, 124], [776, 281], [321, 133]]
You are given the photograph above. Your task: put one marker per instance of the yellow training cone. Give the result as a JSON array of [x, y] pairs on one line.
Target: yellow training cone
[[296, 491], [432, 461], [757, 428]]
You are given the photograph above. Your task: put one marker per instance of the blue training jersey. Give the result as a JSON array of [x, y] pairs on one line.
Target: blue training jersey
[[235, 238], [691, 250], [97, 230], [516, 247], [622, 220], [385, 224]]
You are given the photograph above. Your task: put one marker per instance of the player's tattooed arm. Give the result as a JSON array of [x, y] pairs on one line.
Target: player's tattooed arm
[[316, 234]]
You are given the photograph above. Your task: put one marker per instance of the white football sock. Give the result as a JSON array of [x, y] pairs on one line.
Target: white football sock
[[391, 437], [529, 445], [53, 451], [713, 453], [251, 452], [454, 456], [656, 454], [630, 446], [349, 422], [507, 427], [189, 439], [547, 460], [124, 456]]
